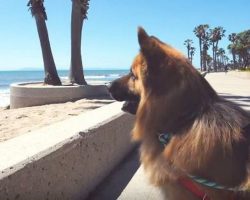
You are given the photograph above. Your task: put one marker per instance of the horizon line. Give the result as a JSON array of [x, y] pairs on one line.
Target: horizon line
[[66, 69]]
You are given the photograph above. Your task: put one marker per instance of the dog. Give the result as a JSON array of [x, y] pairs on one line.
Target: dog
[[193, 143]]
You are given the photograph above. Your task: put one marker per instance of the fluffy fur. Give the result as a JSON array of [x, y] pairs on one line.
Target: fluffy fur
[[169, 95]]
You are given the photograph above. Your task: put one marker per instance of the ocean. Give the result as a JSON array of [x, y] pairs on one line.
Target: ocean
[[91, 76]]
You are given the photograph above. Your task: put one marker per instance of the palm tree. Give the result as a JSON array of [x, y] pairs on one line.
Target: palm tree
[[188, 43], [241, 48], [216, 34], [192, 51], [38, 11], [232, 38], [226, 60], [200, 32], [221, 55], [79, 13], [205, 47], [209, 60]]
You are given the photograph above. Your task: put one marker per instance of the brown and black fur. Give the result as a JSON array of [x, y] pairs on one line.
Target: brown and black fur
[[168, 95]]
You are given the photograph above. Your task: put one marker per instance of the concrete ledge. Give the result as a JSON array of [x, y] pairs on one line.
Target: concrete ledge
[[65, 160], [34, 94]]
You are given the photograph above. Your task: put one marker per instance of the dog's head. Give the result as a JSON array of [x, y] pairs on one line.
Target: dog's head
[[129, 87], [158, 70], [146, 72]]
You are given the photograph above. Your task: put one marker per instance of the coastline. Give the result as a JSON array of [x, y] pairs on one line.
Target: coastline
[[14, 122], [92, 76]]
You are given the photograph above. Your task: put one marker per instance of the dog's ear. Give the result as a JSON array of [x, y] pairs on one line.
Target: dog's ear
[[150, 49], [143, 38]]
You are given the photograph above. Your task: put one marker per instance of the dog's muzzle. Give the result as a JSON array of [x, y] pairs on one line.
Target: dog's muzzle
[[121, 93]]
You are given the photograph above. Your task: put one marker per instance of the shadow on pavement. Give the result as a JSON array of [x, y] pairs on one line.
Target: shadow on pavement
[[243, 101]]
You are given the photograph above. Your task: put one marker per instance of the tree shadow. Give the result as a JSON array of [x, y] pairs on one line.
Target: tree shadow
[[243, 101], [92, 107], [235, 97]]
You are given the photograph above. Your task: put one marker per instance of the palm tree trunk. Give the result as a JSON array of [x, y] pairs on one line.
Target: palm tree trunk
[[234, 59], [51, 76], [204, 56], [200, 53], [213, 49], [76, 67], [215, 56]]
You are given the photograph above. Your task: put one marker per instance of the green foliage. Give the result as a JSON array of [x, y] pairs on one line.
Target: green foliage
[[200, 31], [240, 46], [37, 8], [202, 34], [188, 43], [217, 33], [84, 4]]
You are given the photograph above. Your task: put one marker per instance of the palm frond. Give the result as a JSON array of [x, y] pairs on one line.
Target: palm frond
[[37, 8]]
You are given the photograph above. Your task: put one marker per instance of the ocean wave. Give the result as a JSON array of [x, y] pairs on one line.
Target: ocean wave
[[102, 76], [4, 85], [4, 99], [64, 77], [95, 77], [108, 76], [4, 91], [114, 75]]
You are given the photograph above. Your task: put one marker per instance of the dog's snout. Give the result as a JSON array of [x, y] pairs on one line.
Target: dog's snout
[[117, 90], [113, 86]]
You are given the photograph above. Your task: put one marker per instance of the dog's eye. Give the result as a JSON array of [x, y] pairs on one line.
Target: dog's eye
[[133, 77]]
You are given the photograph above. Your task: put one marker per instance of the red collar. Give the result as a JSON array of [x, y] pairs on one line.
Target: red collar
[[193, 188]]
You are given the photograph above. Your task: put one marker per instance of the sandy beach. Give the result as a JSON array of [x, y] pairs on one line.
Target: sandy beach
[[14, 122]]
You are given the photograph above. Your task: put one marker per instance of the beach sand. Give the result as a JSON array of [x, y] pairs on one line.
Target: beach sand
[[15, 122]]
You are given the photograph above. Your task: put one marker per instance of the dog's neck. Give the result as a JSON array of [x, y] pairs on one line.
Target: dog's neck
[[179, 120], [179, 123], [187, 105]]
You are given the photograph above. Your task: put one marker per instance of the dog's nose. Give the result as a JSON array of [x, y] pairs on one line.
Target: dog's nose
[[113, 86], [116, 90]]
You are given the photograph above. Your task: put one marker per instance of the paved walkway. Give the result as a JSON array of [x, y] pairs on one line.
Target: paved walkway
[[136, 187], [231, 87]]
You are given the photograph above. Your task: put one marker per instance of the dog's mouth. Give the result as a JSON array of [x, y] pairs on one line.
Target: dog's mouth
[[130, 107]]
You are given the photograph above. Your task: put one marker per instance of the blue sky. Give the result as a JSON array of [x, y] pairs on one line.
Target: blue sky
[[109, 35]]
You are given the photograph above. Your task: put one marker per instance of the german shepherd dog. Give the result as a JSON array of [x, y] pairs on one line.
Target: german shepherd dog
[[194, 143]]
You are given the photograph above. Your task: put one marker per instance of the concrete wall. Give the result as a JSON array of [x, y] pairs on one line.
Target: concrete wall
[[65, 160], [35, 94]]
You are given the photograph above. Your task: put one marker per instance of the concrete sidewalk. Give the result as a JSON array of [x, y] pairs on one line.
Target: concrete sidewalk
[[231, 87], [136, 186]]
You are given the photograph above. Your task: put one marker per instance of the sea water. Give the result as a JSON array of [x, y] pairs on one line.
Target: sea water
[[102, 76]]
